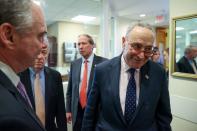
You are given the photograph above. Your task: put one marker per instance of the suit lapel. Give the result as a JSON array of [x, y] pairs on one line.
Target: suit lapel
[[48, 88], [77, 73], [27, 82], [92, 73], [11, 88], [28, 109]]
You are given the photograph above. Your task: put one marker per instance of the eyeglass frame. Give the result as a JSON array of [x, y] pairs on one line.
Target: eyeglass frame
[[148, 52]]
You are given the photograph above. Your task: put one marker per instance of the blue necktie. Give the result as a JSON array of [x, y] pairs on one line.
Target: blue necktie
[[130, 102]]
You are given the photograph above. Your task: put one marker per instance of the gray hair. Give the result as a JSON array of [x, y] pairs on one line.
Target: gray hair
[[16, 12], [143, 25], [90, 39], [189, 49]]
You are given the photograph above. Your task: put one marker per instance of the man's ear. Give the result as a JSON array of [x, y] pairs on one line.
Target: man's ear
[[123, 41], [6, 35]]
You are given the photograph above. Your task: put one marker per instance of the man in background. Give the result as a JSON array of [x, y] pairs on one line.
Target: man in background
[[156, 55], [130, 90], [46, 92], [22, 31], [80, 80], [187, 64]]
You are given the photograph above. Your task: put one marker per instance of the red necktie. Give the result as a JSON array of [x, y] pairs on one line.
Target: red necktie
[[83, 96]]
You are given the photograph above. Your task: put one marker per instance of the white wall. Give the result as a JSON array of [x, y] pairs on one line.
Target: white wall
[[68, 32], [183, 91]]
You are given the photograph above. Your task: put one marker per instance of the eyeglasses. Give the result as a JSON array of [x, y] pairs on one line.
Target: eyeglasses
[[148, 50]]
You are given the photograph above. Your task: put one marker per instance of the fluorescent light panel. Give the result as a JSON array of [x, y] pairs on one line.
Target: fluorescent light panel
[[83, 18], [142, 15], [193, 32], [178, 36], [36, 2], [179, 28]]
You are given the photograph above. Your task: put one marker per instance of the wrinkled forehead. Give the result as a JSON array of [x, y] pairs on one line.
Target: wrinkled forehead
[[141, 34], [82, 39]]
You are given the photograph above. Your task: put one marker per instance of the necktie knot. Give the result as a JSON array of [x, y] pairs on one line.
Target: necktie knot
[[85, 61], [37, 75], [131, 71]]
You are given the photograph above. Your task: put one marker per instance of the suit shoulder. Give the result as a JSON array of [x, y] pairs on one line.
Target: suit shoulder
[[24, 72], [156, 66], [100, 58], [109, 63], [52, 71]]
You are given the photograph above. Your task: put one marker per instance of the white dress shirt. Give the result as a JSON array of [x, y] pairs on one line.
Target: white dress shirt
[[6, 69]]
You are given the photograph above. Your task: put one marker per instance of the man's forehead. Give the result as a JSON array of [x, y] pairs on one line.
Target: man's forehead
[[83, 38]]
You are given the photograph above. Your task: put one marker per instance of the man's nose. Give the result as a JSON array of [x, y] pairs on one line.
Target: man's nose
[[80, 46], [141, 54], [40, 56]]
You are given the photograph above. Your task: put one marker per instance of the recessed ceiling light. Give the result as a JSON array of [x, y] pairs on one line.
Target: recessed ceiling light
[[37, 2], [178, 36], [142, 15], [83, 18], [179, 28], [97, 0], [193, 32]]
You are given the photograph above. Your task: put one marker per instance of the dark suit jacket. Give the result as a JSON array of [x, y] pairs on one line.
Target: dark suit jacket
[[15, 113], [153, 110], [184, 66], [54, 98], [72, 95]]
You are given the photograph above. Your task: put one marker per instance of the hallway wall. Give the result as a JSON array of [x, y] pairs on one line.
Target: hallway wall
[[183, 91]]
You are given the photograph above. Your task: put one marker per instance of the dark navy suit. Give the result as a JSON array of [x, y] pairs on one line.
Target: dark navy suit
[[15, 113], [153, 111], [72, 104]]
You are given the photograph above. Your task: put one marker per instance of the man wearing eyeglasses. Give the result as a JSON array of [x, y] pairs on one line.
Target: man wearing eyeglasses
[[130, 90]]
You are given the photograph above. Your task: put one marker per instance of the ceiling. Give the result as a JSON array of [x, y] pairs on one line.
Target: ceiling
[[64, 10]]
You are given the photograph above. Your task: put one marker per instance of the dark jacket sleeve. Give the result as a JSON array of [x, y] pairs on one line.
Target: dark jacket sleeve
[[61, 113], [163, 111], [69, 91]]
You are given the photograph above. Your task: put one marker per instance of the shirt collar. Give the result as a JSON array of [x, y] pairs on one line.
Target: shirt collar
[[9, 73], [33, 73], [90, 58], [124, 65]]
